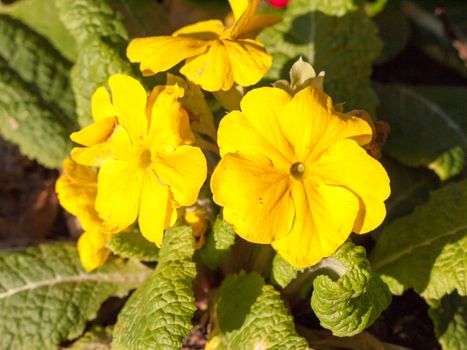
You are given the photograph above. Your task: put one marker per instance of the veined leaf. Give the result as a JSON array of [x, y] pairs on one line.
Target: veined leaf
[[40, 130], [101, 34], [426, 250], [90, 19], [97, 338], [251, 315], [282, 272], [425, 124], [132, 244], [353, 301], [42, 16], [46, 297], [450, 319], [158, 315], [218, 243], [336, 37]]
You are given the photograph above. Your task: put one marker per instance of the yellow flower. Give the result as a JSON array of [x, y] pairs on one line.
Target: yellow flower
[[293, 174], [77, 190], [215, 56], [148, 170]]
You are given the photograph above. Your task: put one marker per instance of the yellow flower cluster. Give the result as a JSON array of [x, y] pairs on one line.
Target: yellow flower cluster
[[293, 171]]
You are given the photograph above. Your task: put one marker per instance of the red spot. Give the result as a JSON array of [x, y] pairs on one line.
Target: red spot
[[278, 3]]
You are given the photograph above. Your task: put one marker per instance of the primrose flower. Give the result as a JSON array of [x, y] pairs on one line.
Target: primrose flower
[[147, 169], [293, 174], [215, 56], [77, 189]]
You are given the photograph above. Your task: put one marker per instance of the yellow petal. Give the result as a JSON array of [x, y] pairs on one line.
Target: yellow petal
[[118, 195], [242, 22], [204, 30], [236, 134], [263, 108], [129, 99], [256, 24], [95, 133], [91, 253], [324, 217], [102, 105], [255, 197], [170, 124], [160, 53], [347, 164], [211, 70], [249, 61], [175, 168], [311, 111], [155, 210], [238, 7]]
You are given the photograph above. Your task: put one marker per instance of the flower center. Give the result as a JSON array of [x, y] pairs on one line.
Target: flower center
[[297, 170], [144, 158]]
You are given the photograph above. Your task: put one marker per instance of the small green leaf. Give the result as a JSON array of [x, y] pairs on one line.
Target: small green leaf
[[351, 303], [97, 338], [449, 163], [450, 319], [336, 37], [218, 244], [426, 250], [90, 19], [158, 315], [42, 16], [425, 124], [251, 315], [133, 245], [282, 272], [46, 297]]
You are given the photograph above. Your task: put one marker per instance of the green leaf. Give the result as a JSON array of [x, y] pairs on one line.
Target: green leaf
[[425, 124], [218, 243], [97, 338], [42, 16], [133, 245], [251, 315], [334, 38], [90, 19], [450, 319], [282, 272], [158, 315], [46, 297], [449, 163], [38, 63], [426, 250], [352, 302]]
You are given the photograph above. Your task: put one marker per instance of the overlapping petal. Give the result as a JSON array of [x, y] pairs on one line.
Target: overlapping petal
[[204, 30], [119, 193], [345, 163], [324, 216], [255, 196], [183, 170], [92, 251]]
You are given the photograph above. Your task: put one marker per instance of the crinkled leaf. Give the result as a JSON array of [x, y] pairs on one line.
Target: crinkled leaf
[[158, 315], [46, 297], [334, 36], [132, 244], [139, 17], [42, 16], [26, 119], [426, 250], [450, 320], [449, 163], [251, 315], [282, 272], [351, 303], [218, 243], [38, 63], [97, 338], [90, 19], [425, 124]]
